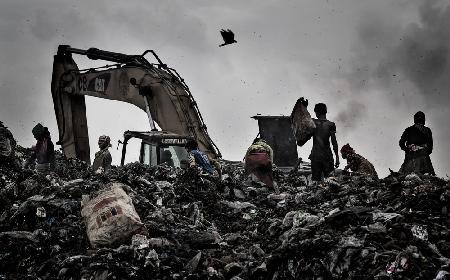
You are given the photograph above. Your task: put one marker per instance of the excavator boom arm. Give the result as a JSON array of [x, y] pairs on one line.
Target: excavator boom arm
[[154, 88]]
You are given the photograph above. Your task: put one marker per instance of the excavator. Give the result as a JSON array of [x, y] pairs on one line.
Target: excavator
[[153, 87]]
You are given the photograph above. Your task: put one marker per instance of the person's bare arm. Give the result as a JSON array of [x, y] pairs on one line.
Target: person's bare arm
[[335, 149]]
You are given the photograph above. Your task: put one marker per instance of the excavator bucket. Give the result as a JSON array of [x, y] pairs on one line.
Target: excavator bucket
[[277, 132]]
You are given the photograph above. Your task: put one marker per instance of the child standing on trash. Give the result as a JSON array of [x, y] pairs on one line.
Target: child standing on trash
[[321, 155]]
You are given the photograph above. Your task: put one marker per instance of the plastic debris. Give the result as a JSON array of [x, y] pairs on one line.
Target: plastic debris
[[40, 212], [420, 232], [199, 227]]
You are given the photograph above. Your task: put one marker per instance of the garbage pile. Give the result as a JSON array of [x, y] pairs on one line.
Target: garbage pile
[[201, 227]]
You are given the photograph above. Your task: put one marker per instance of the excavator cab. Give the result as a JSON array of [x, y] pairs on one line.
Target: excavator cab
[[158, 147]]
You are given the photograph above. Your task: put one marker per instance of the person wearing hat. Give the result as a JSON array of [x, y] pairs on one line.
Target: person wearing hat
[[259, 160], [417, 142], [356, 162], [43, 152], [103, 159]]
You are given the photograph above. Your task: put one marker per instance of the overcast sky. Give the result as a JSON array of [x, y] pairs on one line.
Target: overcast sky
[[375, 63]]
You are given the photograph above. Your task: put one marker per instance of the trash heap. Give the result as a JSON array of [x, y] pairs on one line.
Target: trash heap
[[200, 227]]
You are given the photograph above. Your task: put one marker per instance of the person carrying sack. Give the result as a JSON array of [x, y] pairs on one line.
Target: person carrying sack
[[321, 130]]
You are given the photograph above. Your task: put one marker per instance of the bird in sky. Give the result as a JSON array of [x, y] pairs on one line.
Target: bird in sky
[[228, 37]]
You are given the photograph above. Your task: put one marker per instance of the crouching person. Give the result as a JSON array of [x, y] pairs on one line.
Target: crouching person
[[356, 162], [199, 159], [258, 161]]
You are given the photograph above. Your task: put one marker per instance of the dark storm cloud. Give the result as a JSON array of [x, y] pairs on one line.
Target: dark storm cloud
[[393, 56], [423, 53], [399, 64]]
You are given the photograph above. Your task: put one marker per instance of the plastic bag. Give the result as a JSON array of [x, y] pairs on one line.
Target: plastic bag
[[302, 124], [110, 217]]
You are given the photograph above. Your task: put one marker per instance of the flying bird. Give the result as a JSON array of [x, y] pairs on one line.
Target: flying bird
[[228, 37]]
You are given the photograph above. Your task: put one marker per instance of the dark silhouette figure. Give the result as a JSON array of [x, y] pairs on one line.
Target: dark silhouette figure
[[321, 155], [166, 157], [228, 37], [43, 152], [356, 162], [417, 142]]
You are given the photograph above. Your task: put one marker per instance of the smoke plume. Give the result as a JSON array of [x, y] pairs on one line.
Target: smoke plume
[[352, 114], [397, 57]]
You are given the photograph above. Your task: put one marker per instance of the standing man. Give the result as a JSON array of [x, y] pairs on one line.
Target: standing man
[[103, 159], [417, 142], [44, 151], [321, 156]]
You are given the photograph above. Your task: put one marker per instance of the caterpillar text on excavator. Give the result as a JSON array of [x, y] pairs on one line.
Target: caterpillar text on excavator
[[153, 87]]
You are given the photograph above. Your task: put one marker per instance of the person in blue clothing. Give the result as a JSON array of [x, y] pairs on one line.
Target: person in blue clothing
[[198, 158]]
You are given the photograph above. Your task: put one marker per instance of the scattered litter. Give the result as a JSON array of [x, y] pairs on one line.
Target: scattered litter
[[188, 226]]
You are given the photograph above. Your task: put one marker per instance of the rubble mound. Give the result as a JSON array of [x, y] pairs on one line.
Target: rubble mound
[[200, 227]]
